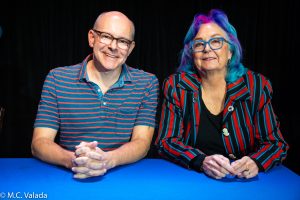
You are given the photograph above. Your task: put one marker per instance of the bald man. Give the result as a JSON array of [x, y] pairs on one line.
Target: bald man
[[102, 110]]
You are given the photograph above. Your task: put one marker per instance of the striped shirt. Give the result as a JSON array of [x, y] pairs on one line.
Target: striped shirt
[[74, 106], [249, 125]]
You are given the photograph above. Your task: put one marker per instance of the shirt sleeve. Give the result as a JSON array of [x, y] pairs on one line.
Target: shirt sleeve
[[147, 112], [272, 147], [197, 162], [47, 114]]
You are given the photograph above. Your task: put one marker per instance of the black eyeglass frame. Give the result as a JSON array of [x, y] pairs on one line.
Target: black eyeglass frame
[[99, 33]]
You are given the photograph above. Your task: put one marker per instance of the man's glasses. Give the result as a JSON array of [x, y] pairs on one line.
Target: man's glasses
[[106, 38], [214, 44]]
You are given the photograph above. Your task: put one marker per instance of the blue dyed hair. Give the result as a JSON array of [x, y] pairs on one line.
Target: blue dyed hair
[[235, 68]]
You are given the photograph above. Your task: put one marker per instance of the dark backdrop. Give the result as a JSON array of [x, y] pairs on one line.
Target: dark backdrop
[[37, 36]]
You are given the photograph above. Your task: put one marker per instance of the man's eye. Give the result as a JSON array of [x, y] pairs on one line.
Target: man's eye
[[104, 36], [124, 42]]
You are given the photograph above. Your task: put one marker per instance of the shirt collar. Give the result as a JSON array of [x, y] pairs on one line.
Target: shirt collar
[[83, 72]]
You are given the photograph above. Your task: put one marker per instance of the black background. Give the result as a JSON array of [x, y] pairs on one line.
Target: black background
[[40, 35]]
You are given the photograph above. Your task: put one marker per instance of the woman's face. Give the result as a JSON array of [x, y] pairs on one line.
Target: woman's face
[[213, 55]]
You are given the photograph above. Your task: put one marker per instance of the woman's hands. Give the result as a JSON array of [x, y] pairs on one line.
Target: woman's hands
[[245, 167], [218, 166]]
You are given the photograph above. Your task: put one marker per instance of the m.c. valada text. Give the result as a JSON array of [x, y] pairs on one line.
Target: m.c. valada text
[[27, 195]]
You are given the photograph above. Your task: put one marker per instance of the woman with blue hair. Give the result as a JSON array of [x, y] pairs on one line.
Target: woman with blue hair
[[217, 115]]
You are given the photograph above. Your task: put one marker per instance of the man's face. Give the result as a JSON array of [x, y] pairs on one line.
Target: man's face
[[112, 42]]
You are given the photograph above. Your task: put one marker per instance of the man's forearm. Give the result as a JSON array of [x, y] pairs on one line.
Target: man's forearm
[[51, 152], [129, 152]]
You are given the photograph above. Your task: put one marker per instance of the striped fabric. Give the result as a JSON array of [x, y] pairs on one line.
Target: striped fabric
[[70, 103], [252, 125]]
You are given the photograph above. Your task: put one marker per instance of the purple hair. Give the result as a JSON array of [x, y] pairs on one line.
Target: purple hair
[[235, 68]]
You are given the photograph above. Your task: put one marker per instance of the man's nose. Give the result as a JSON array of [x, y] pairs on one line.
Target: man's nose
[[113, 44]]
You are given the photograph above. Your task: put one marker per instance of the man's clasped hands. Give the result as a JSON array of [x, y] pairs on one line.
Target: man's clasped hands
[[90, 161]]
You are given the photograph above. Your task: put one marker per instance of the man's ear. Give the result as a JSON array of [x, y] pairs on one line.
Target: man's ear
[[91, 38], [132, 45]]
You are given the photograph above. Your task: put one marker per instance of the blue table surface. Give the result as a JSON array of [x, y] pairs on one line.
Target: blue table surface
[[145, 179]]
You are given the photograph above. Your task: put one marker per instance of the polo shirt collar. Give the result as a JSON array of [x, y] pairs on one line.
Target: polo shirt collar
[[83, 72], [126, 73]]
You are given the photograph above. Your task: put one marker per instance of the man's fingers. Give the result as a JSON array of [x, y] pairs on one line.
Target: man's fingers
[[94, 155], [92, 145], [82, 150], [96, 172], [81, 176], [82, 170], [95, 165], [81, 160], [82, 144], [90, 173], [98, 150]]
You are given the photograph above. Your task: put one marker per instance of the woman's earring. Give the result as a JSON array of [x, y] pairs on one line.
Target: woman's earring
[[228, 61]]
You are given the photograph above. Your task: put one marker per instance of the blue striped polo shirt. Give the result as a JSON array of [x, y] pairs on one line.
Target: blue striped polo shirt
[[74, 106]]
